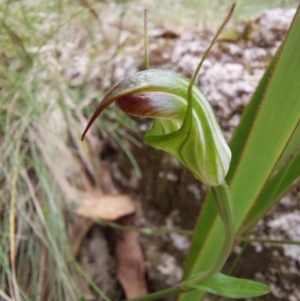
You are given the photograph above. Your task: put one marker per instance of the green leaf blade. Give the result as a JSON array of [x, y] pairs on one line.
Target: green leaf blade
[[230, 287], [280, 183]]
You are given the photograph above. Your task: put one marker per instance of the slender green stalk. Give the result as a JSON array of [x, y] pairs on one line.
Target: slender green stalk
[[173, 291], [270, 241], [205, 55], [146, 231], [146, 55], [223, 202], [12, 222]]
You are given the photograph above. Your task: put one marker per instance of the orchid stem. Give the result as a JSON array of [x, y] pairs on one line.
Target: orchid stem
[[205, 55], [147, 64], [173, 291], [223, 202]]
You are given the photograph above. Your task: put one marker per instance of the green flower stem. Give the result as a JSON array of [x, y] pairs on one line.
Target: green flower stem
[[270, 241], [173, 291], [223, 202], [147, 64], [146, 231]]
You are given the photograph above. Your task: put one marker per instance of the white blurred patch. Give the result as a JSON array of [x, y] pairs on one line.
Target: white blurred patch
[[170, 268]]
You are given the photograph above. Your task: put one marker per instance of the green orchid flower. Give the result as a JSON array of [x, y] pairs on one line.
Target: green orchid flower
[[185, 127], [189, 133]]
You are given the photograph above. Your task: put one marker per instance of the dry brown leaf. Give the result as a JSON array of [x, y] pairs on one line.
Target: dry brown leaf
[[108, 207], [159, 32], [131, 266]]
